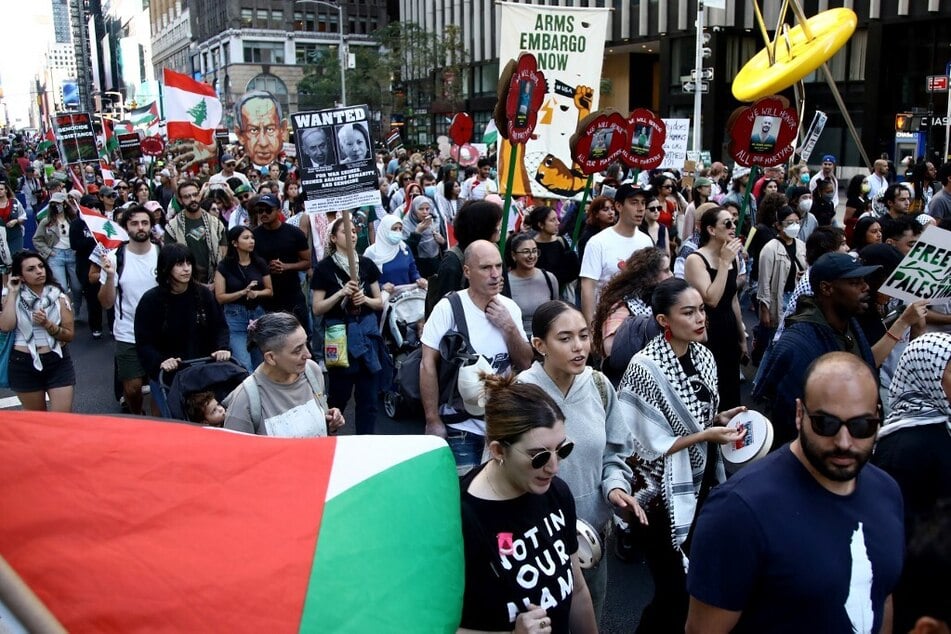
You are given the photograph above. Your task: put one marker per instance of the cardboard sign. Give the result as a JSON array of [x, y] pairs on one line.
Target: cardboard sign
[[335, 154], [75, 138], [925, 273], [600, 139], [648, 136], [526, 91], [763, 134], [675, 146]]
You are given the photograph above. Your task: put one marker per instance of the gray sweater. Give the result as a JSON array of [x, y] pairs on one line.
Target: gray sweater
[[602, 442]]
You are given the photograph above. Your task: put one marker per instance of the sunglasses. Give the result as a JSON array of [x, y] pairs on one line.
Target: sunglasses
[[654, 208], [527, 251], [540, 459], [828, 426]]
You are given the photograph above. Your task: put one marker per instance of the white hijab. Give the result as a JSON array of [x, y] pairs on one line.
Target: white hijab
[[381, 251]]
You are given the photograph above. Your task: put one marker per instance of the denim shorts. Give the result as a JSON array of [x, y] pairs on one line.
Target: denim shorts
[[56, 372]]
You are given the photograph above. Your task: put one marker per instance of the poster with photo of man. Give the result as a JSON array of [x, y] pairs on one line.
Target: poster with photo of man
[[763, 137], [338, 170]]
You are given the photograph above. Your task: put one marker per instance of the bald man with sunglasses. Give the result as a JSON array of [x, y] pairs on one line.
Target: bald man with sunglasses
[[810, 538]]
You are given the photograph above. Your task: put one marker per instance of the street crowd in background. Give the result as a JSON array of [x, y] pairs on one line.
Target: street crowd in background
[[613, 356]]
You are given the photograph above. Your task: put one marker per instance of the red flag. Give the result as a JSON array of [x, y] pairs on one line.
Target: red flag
[[192, 108]]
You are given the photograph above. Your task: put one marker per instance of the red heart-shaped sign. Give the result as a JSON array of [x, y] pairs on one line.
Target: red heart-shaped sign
[[762, 134], [647, 134], [526, 92], [460, 130], [599, 140]]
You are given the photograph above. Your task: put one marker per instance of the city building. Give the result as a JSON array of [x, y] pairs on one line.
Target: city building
[[244, 45], [171, 36], [650, 51]]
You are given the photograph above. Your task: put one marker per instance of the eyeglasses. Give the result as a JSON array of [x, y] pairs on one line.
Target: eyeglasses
[[828, 426], [231, 165], [654, 208], [122, 187], [540, 459], [527, 251]]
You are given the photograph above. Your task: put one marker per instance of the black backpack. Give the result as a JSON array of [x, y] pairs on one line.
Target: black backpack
[[454, 353]]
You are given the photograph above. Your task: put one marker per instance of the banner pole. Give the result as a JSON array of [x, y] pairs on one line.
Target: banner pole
[[508, 199], [351, 257], [584, 201]]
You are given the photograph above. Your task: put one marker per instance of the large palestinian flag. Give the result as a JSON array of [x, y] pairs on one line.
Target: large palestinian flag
[[124, 525]]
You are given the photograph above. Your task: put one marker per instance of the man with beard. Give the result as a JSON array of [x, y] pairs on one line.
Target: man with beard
[[203, 234], [124, 279], [811, 538], [823, 322]]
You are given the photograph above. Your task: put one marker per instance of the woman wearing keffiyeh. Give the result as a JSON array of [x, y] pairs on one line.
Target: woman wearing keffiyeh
[[669, 397], [40, 317]]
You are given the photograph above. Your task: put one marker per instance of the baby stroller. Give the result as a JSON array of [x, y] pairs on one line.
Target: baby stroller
[[399, 329], [199, 375]]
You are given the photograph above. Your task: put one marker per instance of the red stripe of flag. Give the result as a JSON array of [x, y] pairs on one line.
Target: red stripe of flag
[[184, 82]]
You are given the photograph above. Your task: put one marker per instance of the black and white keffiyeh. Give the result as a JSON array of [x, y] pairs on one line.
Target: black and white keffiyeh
[[661, 405], [916, 394], [27, 303]]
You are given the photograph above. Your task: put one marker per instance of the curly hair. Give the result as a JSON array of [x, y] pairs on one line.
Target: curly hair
[[637, 279]]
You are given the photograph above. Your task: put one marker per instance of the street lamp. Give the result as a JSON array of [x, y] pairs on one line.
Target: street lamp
[[341, 53]]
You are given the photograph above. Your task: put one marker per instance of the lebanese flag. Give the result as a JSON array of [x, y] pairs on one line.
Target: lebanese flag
[[105, 231], [108, 178], [137, 525], [192, 108]]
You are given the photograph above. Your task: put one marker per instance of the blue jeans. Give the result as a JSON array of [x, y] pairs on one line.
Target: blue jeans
[[467, 449], [238, 317], [63, 263]]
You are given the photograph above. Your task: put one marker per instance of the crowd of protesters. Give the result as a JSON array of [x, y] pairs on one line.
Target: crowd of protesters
[[226, 263]]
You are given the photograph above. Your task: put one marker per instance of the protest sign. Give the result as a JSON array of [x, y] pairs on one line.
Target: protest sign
[[675, 145], [129, 146], [335, 153], [925, 273], [568, 44], [75, 138]]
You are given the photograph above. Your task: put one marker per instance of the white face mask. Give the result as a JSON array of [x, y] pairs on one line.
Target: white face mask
[[805, 205], [791, 231], [394, 237]]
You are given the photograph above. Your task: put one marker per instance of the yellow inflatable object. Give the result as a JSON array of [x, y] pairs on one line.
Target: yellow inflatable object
[[796, 55]]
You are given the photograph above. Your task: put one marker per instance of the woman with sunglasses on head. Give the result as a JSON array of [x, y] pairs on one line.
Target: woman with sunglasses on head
[[669, 394], [712, 269], [528, 285], [515, 511], [39, 315], [597, 474]]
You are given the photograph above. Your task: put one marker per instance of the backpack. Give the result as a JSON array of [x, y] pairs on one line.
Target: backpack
[[432, 292], [250, 385], [454, 352]]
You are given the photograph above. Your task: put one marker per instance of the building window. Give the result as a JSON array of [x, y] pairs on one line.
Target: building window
[[305, 22], [263, 52], [261, 18], [277, 19], [226, 49], [307, 52], [247, 15]]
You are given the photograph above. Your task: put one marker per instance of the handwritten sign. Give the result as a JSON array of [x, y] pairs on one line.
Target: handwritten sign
[[925, 273], [675, 146]]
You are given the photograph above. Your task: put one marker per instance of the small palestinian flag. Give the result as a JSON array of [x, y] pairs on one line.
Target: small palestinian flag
[[133, 525], [145, 116]]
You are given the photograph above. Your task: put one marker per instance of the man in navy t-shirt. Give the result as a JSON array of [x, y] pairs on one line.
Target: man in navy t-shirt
[[809, 539]]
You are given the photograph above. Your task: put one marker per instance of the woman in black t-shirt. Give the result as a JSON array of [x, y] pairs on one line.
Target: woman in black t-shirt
[[355, 304], [519, 524], [242, 280]]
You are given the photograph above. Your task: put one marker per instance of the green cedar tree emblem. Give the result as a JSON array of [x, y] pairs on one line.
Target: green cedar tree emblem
[[199, 112]]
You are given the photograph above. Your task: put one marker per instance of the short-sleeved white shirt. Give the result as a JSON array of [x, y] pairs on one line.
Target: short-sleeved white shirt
[[138, 276], [606, 250]]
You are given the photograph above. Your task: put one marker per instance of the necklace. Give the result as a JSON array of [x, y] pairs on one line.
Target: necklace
[[488, 477]]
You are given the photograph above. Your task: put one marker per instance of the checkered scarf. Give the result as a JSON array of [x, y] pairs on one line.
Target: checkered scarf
[[916, 395], [661, 405]]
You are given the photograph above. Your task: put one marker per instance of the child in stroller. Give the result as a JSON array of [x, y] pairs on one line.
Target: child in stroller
[[199, 375], [400, 326]]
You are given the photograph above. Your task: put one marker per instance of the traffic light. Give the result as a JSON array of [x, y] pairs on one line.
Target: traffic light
[[903, 122]]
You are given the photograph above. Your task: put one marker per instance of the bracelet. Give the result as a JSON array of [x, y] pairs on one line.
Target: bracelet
[[889, 333]]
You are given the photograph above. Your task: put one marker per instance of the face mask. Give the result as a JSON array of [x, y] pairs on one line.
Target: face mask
[[866, 188], [804, 178], [791, 231], [430, 192], [492, 173], [805, 205], [394, 237], [828, 197]]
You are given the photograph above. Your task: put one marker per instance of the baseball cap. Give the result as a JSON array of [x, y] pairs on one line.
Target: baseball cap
[[226, 158], [105, 191], [703, 181], [837, 266], [152, 205], [243, 189], [629, 190], [739, 172], [164, 172], [267, 199], [471, 387], [828, 158], [58, 197]]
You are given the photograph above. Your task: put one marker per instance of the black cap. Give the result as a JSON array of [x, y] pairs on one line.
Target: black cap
[[837, 266], [629, 190], [267, 200]]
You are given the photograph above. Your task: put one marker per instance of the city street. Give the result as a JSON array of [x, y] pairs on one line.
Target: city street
[[629, 586]]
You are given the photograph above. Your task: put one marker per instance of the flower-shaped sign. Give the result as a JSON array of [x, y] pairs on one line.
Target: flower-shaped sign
[[460, 130], [647, 134], [152, 145], [599, 140], [523, 99], [465, 154], [762, 134]]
